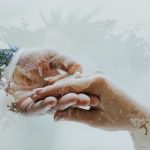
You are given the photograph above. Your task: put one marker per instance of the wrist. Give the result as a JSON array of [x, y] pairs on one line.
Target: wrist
[[141, 133]]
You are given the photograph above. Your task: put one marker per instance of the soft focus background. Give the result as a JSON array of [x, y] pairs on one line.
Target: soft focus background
[[108, 35]]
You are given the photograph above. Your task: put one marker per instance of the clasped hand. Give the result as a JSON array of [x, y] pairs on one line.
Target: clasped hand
[[109, 107]]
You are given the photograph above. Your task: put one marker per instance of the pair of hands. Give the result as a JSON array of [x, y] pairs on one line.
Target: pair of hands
[[110, 108]]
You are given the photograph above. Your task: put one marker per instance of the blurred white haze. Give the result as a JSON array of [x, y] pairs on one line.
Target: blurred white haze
[[108, 35]]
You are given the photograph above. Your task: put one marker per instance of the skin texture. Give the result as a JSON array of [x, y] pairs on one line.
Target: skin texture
[[110, 108], [113, 110], [39, 87]]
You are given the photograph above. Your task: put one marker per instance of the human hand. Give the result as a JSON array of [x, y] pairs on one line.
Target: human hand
[[28, 105], [114, 111], [37, 68]]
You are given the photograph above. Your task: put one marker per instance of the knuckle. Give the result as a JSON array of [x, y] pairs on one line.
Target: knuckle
[[100, 79]]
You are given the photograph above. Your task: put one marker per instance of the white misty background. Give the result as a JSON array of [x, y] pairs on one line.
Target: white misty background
[[99, 42]]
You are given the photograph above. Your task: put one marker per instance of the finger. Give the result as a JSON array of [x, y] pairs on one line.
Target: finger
[[76, 100], [53, 79], [40, 107], [70, 65], [66, 101], [63, 62], [37, 90], [76, 85], [21, 98], [15, 106], [73, 67], [94, 101], [24, 104], [72, 99], [83, 100]]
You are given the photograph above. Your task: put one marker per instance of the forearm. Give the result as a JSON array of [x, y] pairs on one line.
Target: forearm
[[139, 121], [127, 112], [141, 138]]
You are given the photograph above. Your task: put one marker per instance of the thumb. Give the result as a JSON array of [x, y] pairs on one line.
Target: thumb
[[78, 115]]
